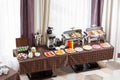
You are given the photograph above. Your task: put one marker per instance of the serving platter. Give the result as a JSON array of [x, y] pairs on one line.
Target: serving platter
[[59, 52], [70, 50], [105, 45], [87, 47], [49, 54], [96, 46]]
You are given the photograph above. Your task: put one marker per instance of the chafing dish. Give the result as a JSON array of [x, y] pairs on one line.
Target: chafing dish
[[72, 35], [95, 33]]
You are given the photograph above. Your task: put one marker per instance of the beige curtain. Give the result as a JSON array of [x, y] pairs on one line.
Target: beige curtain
[[42, 9], [110, 22]]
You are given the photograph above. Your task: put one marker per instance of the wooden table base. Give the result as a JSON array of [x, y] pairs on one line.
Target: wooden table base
[[85, 67], [41, 75]]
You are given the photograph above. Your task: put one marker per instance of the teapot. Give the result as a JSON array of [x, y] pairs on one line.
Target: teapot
[[30, 54]]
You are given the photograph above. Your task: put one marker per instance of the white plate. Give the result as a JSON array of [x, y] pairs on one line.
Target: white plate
[[79, 49], [87, 47]]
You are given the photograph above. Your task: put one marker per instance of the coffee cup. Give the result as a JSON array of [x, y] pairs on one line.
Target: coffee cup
[[5, 70], [30, 55], [1, 71]]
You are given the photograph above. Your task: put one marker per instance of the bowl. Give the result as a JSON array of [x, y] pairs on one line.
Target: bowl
[[37, 54], [62, 46], [57, 48]]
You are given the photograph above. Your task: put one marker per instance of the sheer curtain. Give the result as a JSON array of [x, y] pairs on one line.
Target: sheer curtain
[[9, 30], [65, 14], [41, 17], [9, 25], [110, 21]]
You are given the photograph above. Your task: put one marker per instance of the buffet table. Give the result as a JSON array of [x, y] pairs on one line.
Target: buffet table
[[43, 63], [12, 75]]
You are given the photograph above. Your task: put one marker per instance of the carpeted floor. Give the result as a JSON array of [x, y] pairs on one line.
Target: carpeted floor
[[109, 71]]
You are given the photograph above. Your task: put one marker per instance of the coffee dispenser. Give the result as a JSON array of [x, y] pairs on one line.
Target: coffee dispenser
[[50, 38]]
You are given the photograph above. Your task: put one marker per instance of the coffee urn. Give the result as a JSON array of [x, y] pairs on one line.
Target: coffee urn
[[50, 38]]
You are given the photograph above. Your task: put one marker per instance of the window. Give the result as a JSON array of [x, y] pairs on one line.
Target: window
[[65, 14]]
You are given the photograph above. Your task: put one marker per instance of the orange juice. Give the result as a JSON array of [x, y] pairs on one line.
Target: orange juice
[[33, 50], [70, 44]]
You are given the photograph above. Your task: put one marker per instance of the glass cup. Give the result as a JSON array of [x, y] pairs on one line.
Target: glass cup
[[5, 70], [33, 50]]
